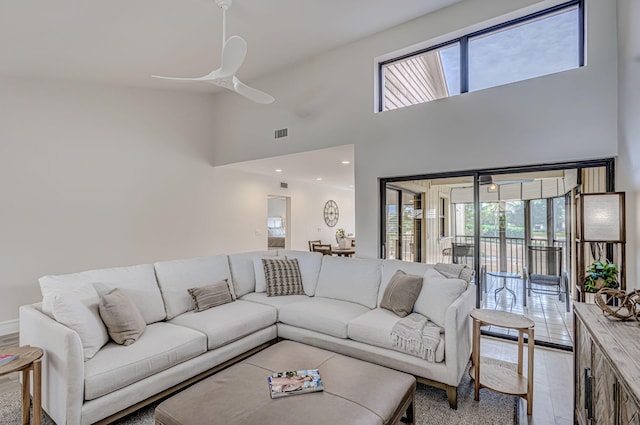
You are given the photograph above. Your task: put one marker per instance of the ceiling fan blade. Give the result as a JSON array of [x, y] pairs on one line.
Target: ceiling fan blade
[[251, 93], [233, 54], [205, 78]]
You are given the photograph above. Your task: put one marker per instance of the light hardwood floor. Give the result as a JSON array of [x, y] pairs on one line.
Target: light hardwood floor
[[552, 384], [552, 388]]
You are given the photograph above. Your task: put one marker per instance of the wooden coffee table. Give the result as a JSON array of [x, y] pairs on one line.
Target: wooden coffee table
[[29, 360], [355, 392]]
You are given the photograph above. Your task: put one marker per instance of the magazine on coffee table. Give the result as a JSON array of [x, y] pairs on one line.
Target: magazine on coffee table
[[305, 381]]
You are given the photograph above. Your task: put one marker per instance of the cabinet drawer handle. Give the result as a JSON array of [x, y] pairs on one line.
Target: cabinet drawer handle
[[590, 380], [587, 388], [588, 392]]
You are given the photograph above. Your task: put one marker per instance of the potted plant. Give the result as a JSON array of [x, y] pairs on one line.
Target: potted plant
[[601, 275]]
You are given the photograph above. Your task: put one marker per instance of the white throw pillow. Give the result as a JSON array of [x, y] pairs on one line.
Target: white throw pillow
[[83, 318], [50, 289], [437, 294], [258, 268]]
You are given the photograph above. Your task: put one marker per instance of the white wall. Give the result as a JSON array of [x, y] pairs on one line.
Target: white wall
[[329, 101], [99, 177], [242, 219], [628, 175], [94, 177]]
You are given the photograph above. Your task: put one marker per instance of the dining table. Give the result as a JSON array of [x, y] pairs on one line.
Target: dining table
[[343, 252]]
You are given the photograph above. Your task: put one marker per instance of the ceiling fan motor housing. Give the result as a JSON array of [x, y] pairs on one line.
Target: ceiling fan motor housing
[[224, 4]]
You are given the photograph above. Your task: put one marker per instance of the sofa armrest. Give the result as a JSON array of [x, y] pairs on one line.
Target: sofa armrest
[[457, 335], [62, 364]]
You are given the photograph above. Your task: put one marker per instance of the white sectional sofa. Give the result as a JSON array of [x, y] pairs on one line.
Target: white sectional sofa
[[339, 311]]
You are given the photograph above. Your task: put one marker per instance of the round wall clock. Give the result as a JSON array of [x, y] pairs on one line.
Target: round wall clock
[[331, 213]]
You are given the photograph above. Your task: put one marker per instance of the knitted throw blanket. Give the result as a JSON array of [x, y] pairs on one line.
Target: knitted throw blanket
[[416, 335], [455, 271]]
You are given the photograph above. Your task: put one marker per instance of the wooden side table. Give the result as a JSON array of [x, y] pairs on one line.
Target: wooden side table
[[29, 360], [499, 377]]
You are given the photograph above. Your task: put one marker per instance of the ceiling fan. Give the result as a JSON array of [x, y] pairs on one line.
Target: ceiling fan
[[493, 184], [234, 51]]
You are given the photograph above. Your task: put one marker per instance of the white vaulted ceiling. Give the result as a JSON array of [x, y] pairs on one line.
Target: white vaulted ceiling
[[123, 42]]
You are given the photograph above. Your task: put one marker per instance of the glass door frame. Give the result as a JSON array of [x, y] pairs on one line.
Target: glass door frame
[[417, 231], [607, 163]]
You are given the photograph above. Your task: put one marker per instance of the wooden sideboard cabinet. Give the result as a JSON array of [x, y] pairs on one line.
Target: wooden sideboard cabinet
[[606, 368]]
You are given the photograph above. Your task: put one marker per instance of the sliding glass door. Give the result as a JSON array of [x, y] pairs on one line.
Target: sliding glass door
[[503, 223]]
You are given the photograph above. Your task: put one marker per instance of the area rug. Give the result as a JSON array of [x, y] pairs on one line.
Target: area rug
[[431, 407]]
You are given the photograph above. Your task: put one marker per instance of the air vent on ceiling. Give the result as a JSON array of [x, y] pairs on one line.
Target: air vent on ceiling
[[284, 185], [283, 132]]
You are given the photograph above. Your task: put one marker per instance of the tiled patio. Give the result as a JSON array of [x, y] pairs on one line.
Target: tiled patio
[[553, 323]]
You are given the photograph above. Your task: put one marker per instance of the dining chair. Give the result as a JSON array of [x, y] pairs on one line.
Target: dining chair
[[325, 249], [312, 243]]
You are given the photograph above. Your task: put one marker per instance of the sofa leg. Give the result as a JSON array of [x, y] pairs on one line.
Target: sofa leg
[[452, 396]]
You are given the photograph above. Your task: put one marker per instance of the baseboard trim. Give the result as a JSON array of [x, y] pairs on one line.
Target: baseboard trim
[[9, 327]]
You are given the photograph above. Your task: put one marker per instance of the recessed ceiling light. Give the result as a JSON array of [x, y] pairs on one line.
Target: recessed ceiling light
[[278, 170], [346, 162], [319, 179], [351, 186]]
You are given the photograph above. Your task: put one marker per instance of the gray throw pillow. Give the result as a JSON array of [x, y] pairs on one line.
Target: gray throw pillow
[[283, 277], [401, 293], [122, 318], [209, 296]]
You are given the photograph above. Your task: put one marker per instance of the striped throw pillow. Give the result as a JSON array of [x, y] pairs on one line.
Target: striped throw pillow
[[283, 277], [209, 296]]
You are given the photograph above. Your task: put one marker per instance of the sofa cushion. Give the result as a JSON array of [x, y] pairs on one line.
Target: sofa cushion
[[324, 315], [277, 302], [374, 328], [229, 322], [208, 296], [243, 273], [310, 263], [349, 279], [283, 277], [138, 282], [438, 293], [261, 277], [83, 318], [401, 293], [176, 277], [160, 347], [389, 267], [121, 317]]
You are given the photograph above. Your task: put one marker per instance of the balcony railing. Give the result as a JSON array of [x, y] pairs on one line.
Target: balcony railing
[[515, 251]]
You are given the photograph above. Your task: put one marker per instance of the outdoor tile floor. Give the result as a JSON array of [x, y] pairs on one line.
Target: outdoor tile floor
[[553, 324]]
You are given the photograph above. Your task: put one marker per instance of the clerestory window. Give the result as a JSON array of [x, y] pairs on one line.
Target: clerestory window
[[539, 44]]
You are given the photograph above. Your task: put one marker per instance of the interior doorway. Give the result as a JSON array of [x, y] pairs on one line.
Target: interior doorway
[[508, 224], [278, 222]]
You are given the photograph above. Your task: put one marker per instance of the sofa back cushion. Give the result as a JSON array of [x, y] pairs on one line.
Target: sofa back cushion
[[137, 282], [243, 273], [349, 279], [390, 267], [176, 277], [309, 263]]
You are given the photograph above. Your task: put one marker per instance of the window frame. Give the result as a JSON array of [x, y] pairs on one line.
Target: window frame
[[463, 41]]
